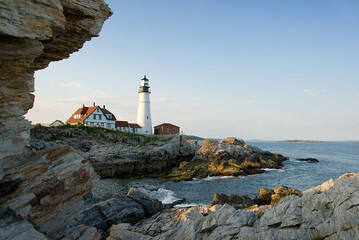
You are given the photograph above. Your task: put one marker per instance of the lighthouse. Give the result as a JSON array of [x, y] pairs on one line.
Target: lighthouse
[[144, 111]]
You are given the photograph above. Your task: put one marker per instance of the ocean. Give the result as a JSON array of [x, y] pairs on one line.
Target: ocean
[[335, 159]]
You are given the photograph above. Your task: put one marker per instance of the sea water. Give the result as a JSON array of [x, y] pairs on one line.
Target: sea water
[[335, 159]]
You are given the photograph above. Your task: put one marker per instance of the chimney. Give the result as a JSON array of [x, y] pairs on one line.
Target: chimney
[[93, 104], [83, 105], [104, 107]]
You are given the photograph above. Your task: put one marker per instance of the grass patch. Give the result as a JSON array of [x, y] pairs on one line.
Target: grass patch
[[148, 140]]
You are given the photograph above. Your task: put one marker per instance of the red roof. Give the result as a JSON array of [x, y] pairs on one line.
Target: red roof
[[121, 124], [84, 112], [105, 111], [166, 124], [134, 125]]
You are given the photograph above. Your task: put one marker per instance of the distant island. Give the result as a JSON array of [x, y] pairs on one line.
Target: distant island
[[300, 141], [192, 137]]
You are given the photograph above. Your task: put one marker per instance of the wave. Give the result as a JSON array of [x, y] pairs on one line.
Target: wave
[[183, 205], [272, 169], [211, 178], [164, 195]]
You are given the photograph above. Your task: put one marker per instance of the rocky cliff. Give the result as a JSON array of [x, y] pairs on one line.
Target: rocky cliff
[[116, 154], [45, 187], [32, 34], [329, 211]]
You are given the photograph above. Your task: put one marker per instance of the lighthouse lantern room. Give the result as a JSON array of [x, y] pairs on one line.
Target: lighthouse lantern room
[[144, 110]]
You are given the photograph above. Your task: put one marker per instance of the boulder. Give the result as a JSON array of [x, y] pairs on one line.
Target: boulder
[[122, 232], [264, 197], [281, 192], [267, 196], [310, 160], [150, 205], [235, 200], [104, 214]]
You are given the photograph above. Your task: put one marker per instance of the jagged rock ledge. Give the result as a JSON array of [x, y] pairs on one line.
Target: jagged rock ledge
[[329, 211]]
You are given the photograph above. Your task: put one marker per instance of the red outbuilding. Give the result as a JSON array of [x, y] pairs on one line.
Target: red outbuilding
[[166, 129]]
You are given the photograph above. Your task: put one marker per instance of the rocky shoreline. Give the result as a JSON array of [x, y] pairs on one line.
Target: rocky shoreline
[[45, 186], [329, 211], [118, 155], [58, 200]]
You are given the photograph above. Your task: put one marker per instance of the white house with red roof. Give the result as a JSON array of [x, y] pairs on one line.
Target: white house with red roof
[[101, 117]]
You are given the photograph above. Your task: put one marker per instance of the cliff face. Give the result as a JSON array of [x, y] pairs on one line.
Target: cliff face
[[32, 34], [44, 186]]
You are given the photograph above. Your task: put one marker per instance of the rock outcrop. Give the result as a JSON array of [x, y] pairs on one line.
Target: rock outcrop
[[49, 187], [113, 154], [265, 197], [310, 160], [44, 188], [237, 201], [34, 33], [227, 157], [271, 197], [329, 211]]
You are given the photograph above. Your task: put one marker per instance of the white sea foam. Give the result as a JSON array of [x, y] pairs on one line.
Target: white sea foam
[[189, 205], [272, 169], [211, 178], [166, 196]]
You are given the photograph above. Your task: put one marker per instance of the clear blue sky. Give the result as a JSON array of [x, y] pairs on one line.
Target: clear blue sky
[[251, 69]]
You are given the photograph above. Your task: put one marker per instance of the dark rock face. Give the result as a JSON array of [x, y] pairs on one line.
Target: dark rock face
[[227, 157], [100, 214], [264, 197], [311, 160], [13, 226], [151, 205], [235, 200], [103, 214]]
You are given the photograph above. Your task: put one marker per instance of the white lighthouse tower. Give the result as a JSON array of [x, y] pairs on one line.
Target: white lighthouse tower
[[144, 110]]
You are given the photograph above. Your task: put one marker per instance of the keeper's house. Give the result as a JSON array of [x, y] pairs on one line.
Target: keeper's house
[[166, 129], [101, 117]]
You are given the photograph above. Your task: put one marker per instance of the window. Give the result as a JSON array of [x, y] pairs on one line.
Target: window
[[94, 116], [99, 117], [97, 110], [108, 125], [147, 117], [102, 124]]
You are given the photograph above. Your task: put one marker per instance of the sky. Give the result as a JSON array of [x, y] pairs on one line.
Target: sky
[[266, 70]]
